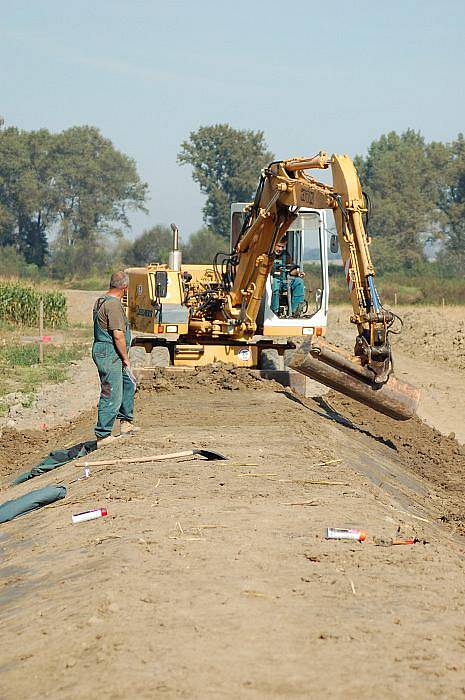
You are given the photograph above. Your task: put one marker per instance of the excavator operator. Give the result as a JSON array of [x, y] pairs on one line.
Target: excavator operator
[[284, 272]]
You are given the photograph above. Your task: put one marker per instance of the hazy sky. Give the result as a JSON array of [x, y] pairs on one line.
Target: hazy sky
[[312, 76]]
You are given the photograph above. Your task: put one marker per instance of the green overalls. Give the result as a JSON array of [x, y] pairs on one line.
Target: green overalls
[[116, 388]]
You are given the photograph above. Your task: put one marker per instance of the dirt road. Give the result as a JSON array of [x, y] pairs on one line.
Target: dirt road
[[213, 579]]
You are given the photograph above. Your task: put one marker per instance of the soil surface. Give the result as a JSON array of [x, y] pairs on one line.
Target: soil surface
[[214, 578], [80, 305], [56, 404], [429, 353]]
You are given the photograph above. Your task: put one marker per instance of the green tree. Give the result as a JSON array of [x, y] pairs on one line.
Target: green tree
[[398, 176], [81, 259], [153, 245], [448, 161], [76, 180], [95, 183], [15, 265], [27, 199], [226, 164], [203, 246]]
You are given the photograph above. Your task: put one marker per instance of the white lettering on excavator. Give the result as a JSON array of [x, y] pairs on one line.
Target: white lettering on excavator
[[306, 196], [148, 313]]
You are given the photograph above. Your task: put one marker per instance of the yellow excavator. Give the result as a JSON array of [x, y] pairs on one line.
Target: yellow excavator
[[207, 313]]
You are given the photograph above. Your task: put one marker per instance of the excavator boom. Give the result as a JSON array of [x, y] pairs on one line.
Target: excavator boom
[[284, 188]]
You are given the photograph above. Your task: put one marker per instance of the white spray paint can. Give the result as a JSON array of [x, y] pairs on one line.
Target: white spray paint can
[[336, 533], [89, 515]]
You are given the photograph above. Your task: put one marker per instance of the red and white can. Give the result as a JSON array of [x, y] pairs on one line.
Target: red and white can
[[89, 515], [336, 533]]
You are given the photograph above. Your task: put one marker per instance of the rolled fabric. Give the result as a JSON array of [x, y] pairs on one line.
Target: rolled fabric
[[31, 501], [56, 459]]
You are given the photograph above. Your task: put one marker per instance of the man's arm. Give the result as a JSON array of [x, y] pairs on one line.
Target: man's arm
[[295, 272], [120, 344]]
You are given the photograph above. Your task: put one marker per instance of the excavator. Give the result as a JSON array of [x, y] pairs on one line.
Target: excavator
[[207, 313]]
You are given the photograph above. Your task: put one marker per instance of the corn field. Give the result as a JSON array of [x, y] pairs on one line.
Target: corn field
[[20, 304]]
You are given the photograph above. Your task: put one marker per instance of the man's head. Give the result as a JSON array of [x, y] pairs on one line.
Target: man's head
[[280, 247], [119, 282]]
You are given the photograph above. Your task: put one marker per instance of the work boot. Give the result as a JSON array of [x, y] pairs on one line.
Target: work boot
[[128, 428], [102, 442], [299, 310]]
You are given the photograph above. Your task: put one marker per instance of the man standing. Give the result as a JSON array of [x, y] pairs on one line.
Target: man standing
[[112, 340]]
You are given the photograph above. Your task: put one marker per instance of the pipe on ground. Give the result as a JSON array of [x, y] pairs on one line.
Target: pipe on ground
[[335, 368]]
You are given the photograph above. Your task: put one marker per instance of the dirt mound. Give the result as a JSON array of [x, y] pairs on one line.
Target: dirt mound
[[433, 335], [428, 333], [424, 450], [54, 404], [19, 450], [218, 376]]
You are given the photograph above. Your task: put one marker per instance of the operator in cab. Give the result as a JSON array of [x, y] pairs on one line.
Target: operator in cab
[[284, 268], [112, 340]]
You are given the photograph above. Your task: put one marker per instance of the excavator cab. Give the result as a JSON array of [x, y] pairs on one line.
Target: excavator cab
[[288, 295], [294, 306]]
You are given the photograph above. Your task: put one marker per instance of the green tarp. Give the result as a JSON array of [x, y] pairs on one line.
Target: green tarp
[[31, 501], [56, 459]]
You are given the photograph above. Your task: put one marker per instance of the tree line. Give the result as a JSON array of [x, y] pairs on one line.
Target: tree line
[[415, 191], [73, 184], [75, 189], [417, 195]]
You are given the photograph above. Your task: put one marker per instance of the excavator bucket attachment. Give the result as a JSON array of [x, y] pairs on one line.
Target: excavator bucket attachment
[[341, 371]]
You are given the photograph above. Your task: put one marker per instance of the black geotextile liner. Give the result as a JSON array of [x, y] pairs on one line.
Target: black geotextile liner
[[31, 501], [56, 459]]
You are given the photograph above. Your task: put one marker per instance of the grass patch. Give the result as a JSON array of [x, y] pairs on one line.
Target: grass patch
[[89, 284], [403, 288], [20, 370], [28, 355]]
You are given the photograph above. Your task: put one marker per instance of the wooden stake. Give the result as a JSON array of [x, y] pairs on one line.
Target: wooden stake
[[41, 331]]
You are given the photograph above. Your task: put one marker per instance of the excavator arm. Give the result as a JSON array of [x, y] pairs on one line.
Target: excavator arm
[[284, 187], [229, 306], [373, 322]]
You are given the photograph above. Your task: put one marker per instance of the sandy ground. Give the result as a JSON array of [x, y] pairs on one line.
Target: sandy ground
[[80, 305], [57, 404], [429, 353], [214, 579]]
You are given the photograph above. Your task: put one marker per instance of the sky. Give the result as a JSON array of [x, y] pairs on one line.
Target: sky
[[312, 76]]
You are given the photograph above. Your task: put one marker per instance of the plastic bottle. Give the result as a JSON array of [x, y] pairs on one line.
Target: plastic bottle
[[335, 533], [86, 475], [89, 515]]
